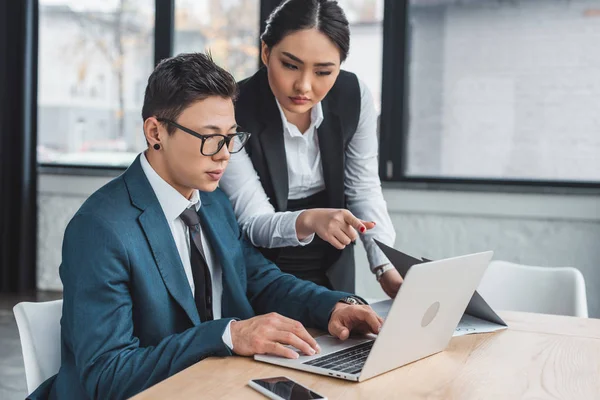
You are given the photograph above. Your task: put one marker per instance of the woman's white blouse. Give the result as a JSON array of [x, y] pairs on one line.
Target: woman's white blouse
[[267, 228]]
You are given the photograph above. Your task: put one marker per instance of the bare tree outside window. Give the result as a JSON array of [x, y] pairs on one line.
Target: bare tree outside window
[[92, 57], [229, 29]]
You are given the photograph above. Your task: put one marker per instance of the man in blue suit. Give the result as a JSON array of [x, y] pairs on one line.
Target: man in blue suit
[[156, 273]]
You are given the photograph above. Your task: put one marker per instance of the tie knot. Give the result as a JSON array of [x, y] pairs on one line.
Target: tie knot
[[190, 217]]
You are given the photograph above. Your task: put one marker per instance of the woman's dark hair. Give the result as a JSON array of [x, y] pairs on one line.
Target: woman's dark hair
[[179, 81], [324, 15]]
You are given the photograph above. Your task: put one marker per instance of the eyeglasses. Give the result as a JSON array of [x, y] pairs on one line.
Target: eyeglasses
[[212, 144]]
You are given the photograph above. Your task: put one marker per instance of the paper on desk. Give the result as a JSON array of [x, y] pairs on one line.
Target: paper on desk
[[467, 325]]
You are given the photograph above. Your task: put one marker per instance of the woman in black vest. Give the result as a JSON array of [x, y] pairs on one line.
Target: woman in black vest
[[311, 165]]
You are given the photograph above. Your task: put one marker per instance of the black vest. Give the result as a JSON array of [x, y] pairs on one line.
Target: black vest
[[256, 112]]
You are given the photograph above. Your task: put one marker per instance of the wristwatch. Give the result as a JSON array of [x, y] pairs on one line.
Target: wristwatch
[[379, 271], [352, 300]]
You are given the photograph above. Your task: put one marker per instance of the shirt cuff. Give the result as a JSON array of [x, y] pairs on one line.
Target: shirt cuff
[[290, 231], [227, 336], [376, 257]]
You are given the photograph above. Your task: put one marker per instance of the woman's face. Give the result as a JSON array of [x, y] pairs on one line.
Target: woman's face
[[302, 68]]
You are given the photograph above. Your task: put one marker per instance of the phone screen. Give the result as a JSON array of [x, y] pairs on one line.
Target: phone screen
[[287, 389]]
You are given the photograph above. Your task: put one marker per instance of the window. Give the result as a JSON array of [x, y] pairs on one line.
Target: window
[[504, 90], [229, 29], [366, 41], [473, 90], [91, 56]]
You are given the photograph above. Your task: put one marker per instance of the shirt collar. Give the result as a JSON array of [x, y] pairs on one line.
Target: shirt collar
[[316, 118], [171, 201]]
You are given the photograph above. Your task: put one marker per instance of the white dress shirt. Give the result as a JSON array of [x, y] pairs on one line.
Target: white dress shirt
[[173, 204], [267, 228]]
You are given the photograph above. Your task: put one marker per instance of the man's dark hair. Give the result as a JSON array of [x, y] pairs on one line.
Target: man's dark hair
[[179, 81], [324, 15]]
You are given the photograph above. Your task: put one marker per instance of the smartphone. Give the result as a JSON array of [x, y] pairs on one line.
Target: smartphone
[[283, 388]]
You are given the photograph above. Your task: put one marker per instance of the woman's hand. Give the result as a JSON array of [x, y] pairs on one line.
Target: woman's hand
[[336, 226]]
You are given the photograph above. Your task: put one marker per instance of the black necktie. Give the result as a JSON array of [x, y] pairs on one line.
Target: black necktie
[[200, 271]]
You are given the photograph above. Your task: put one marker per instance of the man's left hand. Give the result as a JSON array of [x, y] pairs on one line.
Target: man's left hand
[[347, 318]]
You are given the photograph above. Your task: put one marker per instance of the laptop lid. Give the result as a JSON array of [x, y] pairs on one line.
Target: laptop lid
[[477, 307], [426, 311]]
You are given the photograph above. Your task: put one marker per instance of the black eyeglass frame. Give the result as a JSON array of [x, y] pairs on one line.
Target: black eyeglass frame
[[226, 139]]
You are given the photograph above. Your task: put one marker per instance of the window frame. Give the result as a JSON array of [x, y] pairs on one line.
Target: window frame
[[394, 146], [164, 24]]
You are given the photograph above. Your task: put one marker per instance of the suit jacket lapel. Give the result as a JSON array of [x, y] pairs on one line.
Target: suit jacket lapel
[[272, 143], [215, 229], [271, 140], [161, 242], [331, 146]]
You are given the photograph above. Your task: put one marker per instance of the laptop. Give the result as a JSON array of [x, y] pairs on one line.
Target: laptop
[[420, 323]]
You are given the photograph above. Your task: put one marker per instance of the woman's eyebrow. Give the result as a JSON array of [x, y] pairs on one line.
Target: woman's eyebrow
[[299, 61]]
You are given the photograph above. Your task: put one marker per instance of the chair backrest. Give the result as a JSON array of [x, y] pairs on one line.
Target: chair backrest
[[546, 290], [39, 329]]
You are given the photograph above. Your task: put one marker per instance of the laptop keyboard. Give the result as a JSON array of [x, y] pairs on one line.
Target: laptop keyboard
[[350, 360]]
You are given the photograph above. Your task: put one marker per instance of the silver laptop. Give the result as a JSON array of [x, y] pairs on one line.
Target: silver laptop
[[421, 322]]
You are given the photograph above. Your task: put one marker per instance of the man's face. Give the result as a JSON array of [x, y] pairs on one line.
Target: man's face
[[185, 167]]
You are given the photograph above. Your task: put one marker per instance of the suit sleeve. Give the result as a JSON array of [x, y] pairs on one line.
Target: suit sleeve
[[97, 320], [270, 290], [257, 217]]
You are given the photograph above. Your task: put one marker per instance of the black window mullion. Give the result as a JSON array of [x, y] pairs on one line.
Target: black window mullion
[[394, 81], [266, 7], [164, 29], [18, 144]]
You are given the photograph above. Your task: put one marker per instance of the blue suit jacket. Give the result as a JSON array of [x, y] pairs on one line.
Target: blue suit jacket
[[129, 319]]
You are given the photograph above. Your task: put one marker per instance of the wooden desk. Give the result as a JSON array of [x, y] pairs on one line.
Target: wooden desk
[[538, 357]]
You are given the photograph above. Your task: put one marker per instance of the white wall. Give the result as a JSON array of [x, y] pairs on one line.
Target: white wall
[[536, 229]]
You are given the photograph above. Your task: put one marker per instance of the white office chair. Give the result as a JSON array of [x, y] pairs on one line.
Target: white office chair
[[39, 329], [546, 290]]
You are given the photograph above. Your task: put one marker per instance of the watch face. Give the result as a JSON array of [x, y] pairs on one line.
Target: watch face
[[351, 300]]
